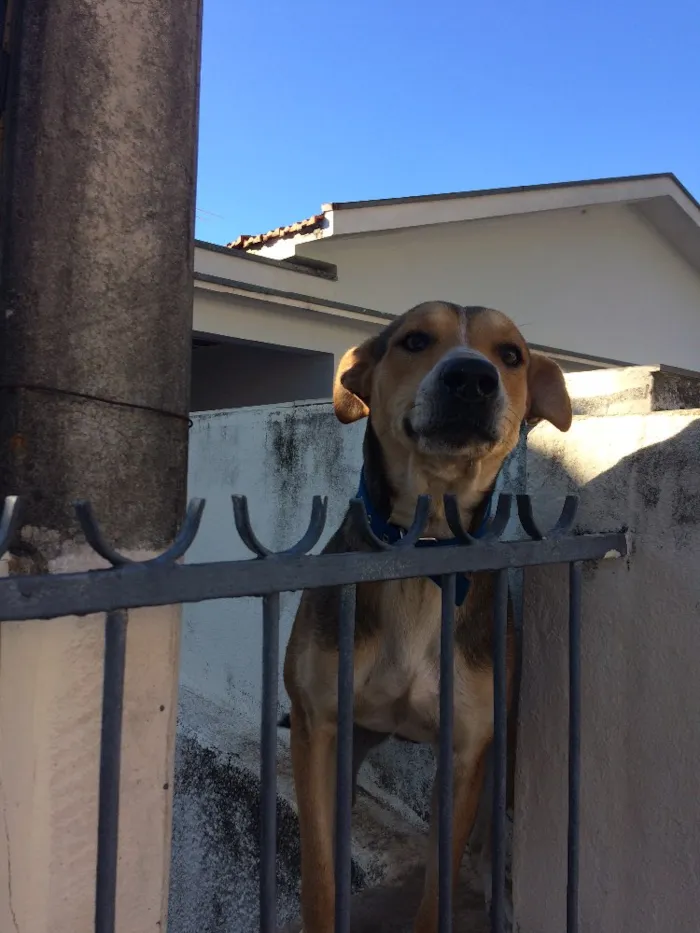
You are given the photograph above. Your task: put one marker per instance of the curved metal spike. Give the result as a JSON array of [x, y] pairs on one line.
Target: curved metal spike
[[498, 523], [420, 520], [95, 538], [317, 522], [310, 538], [562, 526], [9, 522], [493, 530], [454, 520], [185, 536], [358, 514], [360, 522]]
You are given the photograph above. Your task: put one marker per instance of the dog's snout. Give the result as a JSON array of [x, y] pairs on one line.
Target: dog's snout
[[470, 379]]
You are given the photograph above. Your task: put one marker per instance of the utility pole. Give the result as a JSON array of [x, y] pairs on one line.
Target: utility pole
[[99, 126]]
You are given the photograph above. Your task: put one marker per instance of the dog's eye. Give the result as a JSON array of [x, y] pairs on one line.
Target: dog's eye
[[511, 355], [416, 341]]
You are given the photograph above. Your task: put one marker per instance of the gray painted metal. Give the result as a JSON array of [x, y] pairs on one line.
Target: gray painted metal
[[268, 764], [52, 596], [344, 743], [162, 581], [110, 764], [572, 885], [445, 755]]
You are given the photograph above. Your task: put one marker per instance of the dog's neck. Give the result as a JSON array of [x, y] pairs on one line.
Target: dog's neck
[[394, 484]]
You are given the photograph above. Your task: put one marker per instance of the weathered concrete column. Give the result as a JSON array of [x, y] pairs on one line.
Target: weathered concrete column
[[95, 328]]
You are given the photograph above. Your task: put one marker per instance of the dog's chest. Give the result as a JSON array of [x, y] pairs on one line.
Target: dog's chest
[[397, 689]]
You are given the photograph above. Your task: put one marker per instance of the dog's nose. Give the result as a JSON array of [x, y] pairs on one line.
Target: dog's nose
[[471, 379]]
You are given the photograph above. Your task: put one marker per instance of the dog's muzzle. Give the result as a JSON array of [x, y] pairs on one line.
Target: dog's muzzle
[[460, 405]]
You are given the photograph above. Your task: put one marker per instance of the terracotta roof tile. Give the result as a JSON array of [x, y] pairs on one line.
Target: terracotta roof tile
[[255, 241]]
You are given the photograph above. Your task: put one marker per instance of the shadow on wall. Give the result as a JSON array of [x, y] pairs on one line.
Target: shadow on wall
[[640, 795]]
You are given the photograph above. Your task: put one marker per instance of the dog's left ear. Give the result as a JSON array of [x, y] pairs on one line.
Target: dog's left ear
[[353, 382], [547, 392]]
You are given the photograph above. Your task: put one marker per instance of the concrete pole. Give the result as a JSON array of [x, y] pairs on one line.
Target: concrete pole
[[98, 180]]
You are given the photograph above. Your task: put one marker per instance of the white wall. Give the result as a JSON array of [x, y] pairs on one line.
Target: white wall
[[279, 456], [598, 281], [640, 644], [252, 319]]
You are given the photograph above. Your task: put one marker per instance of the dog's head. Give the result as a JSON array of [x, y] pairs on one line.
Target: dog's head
[[444, 382]]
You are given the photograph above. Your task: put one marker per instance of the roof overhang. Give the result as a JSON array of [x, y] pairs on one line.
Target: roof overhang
[[660, 199], [290, 286]]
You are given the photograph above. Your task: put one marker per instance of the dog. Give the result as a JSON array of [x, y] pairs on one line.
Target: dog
[[445, 390]]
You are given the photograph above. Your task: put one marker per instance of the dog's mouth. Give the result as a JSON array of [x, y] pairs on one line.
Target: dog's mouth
[[453, 433]]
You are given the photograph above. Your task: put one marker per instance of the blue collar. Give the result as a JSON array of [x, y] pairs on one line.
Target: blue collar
[[384, 529]]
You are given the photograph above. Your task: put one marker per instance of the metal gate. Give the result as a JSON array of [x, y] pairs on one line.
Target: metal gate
[[164, 581]]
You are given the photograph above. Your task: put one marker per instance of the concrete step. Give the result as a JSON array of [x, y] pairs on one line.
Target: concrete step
[[391, 907], [633, 390], [216, 827]]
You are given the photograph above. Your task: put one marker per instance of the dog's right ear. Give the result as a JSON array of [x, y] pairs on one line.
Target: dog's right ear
[[353, 382]]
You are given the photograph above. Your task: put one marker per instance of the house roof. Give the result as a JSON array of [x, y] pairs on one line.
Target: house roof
[[660, 198], [248, 241], [519, 189]]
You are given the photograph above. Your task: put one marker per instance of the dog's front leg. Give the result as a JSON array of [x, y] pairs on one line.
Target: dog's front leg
[[313, 761], [469, 768]]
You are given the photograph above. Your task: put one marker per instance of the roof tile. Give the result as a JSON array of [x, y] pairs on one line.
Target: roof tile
[[255, 241]]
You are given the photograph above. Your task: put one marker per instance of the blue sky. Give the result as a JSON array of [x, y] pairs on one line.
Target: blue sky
[[311, 101]]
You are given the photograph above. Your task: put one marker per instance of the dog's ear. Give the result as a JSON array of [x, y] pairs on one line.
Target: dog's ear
[[352, 385], [547, 392]]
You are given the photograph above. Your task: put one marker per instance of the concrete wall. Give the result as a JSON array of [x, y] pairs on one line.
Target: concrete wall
[[640, 813], [598, 281], [279, 456], [640, 800]]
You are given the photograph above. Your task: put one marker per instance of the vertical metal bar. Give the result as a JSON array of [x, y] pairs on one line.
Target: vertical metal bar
[[110, 763], [268, 764], [574, 746], [500, 750], [446, 756], [343, 805]]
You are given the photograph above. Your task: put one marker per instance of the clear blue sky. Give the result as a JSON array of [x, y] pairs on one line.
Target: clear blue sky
[[309, 101]]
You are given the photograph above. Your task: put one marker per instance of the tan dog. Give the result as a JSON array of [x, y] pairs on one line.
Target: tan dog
[[446, 389]]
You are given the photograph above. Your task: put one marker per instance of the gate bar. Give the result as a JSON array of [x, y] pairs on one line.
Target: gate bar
[[572, 884], [344, 743], [54, 595], [268, 764], [500, 750], [446, 755], [110, 764]]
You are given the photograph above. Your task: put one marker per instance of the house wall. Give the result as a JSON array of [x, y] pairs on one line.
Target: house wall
[[597, 281], [277, 325], [236, 265]]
